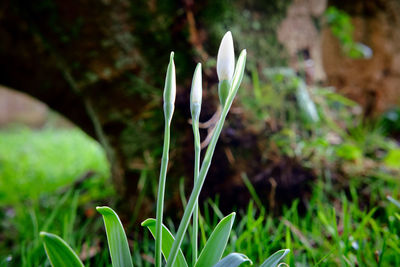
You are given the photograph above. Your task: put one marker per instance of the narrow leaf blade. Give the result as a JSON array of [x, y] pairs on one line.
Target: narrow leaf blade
[[233, 260], [394, 201], [59, 252], [215, 246], [275, 258], [239, 72], [167, 241], [117, 241]]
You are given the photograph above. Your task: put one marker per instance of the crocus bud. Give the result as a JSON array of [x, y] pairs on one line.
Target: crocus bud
[[196, 93], [170, 90], [226, 58]]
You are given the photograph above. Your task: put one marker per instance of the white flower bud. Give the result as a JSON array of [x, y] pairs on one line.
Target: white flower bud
[[226, 58], [170, 90], [197, 92], [170, 82]]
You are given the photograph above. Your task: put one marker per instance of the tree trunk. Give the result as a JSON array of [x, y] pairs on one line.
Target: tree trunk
[[102, 65], [96, 63]]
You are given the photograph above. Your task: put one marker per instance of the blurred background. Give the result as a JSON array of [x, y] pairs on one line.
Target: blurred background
[[315, 126]]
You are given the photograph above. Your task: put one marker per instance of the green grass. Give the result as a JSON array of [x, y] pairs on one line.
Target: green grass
[[334, 231], [347, 221], [341, 227], [338, 229], [357, 226], [37, 168], [36, 162]]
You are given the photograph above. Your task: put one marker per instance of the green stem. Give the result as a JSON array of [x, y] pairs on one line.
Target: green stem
[[196, 189], [223, 91], [194, 196], [196, 133], [161, 190]]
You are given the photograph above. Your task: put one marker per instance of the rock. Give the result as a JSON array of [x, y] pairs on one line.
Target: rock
[[16, 107]]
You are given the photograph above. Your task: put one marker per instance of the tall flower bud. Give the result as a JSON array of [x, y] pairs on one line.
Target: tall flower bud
[[170, 90], [226, 58], [225, 66], [196, 92]]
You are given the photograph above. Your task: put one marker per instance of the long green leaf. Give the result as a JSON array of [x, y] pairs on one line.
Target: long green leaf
[[58, 251], [233, 260], [117, 241], [215, 246], [275, 258], [167, 241]]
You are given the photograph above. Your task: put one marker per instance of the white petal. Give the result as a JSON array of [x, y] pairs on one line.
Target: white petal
[[226, 58]]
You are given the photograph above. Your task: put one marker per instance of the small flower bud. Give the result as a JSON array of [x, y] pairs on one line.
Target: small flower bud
[[196, 94], [226, 58], [197, 91], [170, 82], [170, 90]]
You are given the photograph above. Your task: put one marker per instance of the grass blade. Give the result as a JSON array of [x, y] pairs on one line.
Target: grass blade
[[117, 241], [58, 251]]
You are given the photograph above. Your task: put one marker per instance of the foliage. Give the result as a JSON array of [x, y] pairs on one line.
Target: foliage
[[335, 230], [338, 228], [349, 226], [342, 28], [391, 121], [324, 131], [117, 241], [52, 213], [257, 23], [347, 220], [168, 240], [58, 252], [342, 225], [211, 254]]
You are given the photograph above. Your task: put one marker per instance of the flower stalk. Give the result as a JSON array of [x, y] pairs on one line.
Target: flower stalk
[[169, 105], [194, 196], [195, 108]]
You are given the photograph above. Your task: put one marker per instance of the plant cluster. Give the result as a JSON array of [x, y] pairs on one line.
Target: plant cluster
[[230, 77], [324, 131]]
